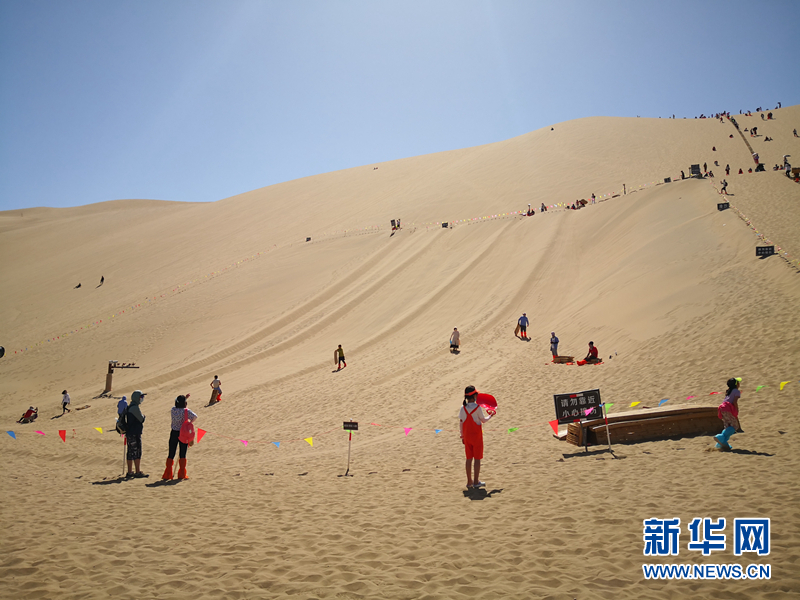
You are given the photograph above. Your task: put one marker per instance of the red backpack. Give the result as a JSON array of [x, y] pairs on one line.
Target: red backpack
[[186, 435]]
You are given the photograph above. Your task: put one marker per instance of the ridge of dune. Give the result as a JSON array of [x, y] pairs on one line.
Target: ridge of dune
[[667, 286]]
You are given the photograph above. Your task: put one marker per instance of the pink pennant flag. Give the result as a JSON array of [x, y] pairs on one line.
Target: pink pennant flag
[[712, 393], [407, 429], [244, 442], [690, 397], [40, 432], [588, 410]]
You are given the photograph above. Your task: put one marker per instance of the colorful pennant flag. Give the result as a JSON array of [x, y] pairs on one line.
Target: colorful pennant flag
[[554, 425], [407, 429], [436, 430], [277, 444], [200, 434], [760, 386], [244, 442], [662, 401], [783, 383], [634, 404], [512, 429], [40, 432], [100, 429], [310, 441], [63, 434], [12, 434], [690, 397]]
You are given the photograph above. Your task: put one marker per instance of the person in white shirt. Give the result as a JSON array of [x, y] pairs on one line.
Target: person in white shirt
[[216, 390], [65, 400]]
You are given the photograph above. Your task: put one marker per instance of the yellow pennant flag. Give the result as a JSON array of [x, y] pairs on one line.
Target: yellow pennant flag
[[783, 383], [100, 429], [309, 440], [634, 404]]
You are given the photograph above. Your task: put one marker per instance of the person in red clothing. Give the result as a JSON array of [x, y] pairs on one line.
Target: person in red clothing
[[591, 357], [471, 420]]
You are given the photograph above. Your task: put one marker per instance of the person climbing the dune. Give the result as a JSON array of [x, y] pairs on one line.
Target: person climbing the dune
[[455, 339], [338, 358], [523, 326]]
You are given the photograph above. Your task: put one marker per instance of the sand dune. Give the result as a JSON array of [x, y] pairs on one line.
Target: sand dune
[[666, 285]]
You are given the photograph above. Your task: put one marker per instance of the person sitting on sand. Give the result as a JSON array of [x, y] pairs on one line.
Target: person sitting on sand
[[728, 412], [29, 416], [470, 426], [592, 357]]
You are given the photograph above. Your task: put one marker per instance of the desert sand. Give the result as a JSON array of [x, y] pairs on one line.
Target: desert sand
[[668, 287]]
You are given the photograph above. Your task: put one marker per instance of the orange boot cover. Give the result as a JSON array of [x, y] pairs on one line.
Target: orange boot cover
[[182, 469], [168, 471]]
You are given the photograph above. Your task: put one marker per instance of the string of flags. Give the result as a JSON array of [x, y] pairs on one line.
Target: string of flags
[[406, 430]]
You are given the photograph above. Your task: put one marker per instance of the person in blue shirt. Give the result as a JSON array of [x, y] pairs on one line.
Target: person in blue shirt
[[553, 344], [523, 326]]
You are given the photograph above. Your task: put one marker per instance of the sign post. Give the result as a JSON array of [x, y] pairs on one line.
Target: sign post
[[350, 427], [765, 250], [723, 205], [608, 435], [115, 364], [573, 408]]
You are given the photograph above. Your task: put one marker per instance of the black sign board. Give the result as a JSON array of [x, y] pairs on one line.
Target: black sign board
[[308, 239], [444, 225], [695, 169], [573, 407], [765, 250], [723, 205], [667, 179], [350, 425]]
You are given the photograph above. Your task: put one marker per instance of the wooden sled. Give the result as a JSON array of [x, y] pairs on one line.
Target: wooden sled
[[563, 359]]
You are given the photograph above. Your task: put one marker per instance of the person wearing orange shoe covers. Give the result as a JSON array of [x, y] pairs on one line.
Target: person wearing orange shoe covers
[[179, 414]]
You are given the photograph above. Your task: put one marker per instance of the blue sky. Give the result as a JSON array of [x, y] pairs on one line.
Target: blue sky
[[198, 101]]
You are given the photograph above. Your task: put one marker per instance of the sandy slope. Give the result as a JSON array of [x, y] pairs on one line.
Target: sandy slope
[[659, 279]]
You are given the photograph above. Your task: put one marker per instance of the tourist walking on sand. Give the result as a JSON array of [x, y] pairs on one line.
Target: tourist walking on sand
[[728, 412], [338, 358], [471, 420], [134, 424], [179, 415], [65, 400], [553, 344], [522, 323], [724, 189], [455, 340], [216, 390]]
